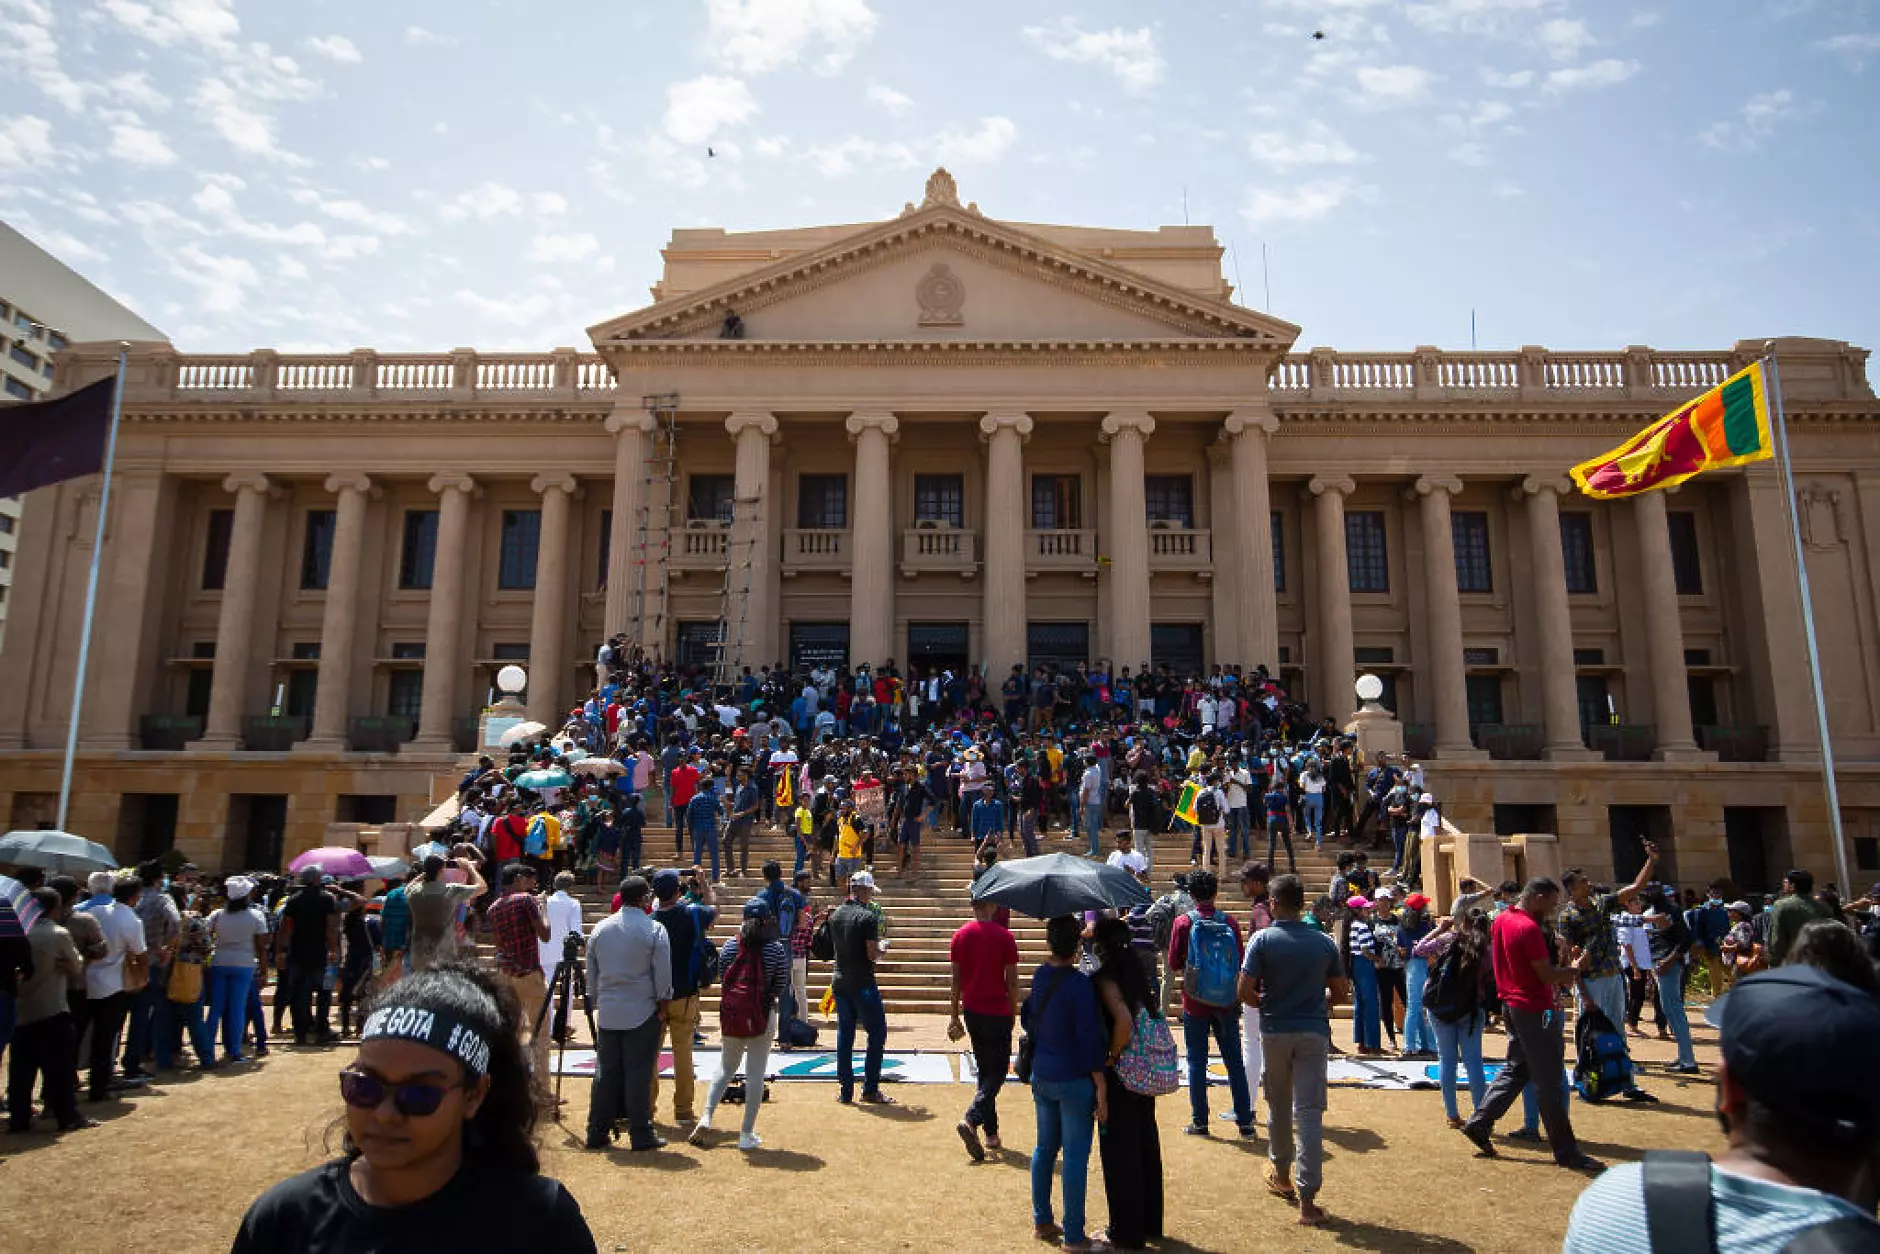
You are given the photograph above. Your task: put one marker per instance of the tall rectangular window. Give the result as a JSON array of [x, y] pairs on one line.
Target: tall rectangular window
[[316, 549], [1484, 698], [407, 693], [215, 549], [607, 548], [1170, 499], [1057, 503], [1365, 553], [1685, 568], [708, 497], [418, 553], [941, 499], [1576, 546], [521, 540], [822, 502], [1469, 532], [1279, 551]]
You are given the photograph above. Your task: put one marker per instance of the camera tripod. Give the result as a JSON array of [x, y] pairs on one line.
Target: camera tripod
[[568, 982]]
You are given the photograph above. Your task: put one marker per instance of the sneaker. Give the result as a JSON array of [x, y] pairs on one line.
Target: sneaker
[[1484, 1148], [845, 1099], [878, 1098], [1248, 1132], [656, 1143], [1526, 1134], [970, 1135], [1197, 1129], [1584, 1163], [1684, 1068], [700, 1132], [750, 1141]]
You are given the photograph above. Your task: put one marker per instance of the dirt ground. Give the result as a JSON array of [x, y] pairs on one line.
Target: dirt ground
[[836, 1177]]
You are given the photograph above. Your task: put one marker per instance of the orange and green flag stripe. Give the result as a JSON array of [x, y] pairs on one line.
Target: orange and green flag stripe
[[1726, 426], [1185, 803]]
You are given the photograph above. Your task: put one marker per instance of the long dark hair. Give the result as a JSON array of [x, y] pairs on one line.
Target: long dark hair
[[1120, 965], [1471, 930], [502, 1133]]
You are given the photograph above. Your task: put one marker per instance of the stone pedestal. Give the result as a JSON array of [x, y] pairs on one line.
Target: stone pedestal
[[1377, 730], [496, 720]]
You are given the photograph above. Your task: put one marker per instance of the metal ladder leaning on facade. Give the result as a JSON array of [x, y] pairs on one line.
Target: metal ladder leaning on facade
[[662, 468], [734, 595]]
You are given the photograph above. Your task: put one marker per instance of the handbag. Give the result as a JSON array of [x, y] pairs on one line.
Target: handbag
[[1027, 1045], [185, 982], [136, 972], [1147, 1064]]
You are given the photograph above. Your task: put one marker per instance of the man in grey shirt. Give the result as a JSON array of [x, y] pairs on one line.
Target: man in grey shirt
[[629, 973], [1288, 971]]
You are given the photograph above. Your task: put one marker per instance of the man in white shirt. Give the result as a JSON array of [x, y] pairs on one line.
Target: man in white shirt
[[1205, 709], [563, 913], [113, 904], [1239, 821], [1090, 804], [1127, 856]]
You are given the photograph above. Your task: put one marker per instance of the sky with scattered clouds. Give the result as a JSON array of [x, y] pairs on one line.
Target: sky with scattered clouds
[[429, 174]]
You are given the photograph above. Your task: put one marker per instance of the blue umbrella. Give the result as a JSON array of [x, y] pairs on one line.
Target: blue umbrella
[[1059, 883], [538, 779], [55, 851]]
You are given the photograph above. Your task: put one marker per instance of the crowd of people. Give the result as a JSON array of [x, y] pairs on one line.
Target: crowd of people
[[144, 970]]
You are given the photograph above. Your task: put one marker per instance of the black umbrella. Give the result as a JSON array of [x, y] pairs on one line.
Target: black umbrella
[[1059, 883]]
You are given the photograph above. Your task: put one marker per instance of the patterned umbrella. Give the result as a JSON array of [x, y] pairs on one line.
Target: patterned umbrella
[[56, 851], [600, 768], [18, 910], [388, 868], [519, 733], [343, 864]]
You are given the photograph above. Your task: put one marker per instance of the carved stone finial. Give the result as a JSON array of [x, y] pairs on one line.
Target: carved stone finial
[[941, 190]]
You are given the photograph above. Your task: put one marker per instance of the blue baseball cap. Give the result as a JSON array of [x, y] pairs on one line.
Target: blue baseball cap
[[758, 908], [1802, 1043]]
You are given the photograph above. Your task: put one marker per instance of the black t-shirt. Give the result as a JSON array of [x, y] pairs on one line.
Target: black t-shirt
[[851, 927], [309, 908], [682, 936], [318, 1212]]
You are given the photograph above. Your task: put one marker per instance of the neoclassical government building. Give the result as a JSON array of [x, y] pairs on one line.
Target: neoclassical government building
[[949, 440]]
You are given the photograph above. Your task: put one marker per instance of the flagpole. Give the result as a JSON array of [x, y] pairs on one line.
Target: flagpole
[[91, 594], [1845, 880]]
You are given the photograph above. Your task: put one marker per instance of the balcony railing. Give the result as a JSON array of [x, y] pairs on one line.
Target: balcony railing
[[946, 549], [168, 732], [1061, 550], [812, 549], [1509, 742], [380, 733], [1736, 744], [1173, 548], [700, 545], [1623, 742], [1529, 374], [273, 733]]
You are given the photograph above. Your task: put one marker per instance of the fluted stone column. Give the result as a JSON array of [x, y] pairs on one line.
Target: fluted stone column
[[1256, 604], [1664, 632], [871, 533], [1128, 541], [628, 580], [1005, 435], [1553, 619], [443, 637], [1334, 697], [235, 626], [753, 539], [548, 625], [339, 627], [1449, 688]]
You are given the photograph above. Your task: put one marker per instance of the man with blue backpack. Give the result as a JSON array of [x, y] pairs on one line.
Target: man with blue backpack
[[1205, 946]]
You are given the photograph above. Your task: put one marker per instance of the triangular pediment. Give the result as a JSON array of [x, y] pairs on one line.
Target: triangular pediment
[[939, 273]]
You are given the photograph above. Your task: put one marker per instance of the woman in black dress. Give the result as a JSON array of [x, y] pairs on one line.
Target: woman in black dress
[[1131, 1145], [440, 1138]]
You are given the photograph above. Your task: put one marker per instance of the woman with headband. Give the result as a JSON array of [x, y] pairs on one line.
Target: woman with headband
[[439, 1146]]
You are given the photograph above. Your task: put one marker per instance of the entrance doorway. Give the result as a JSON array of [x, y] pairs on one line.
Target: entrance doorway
[[258, 821], [1757, 838], [147, 823], [1176, 646], [819, 644], [1631, 827], [696, 642], [1063, 645], [936, 647]]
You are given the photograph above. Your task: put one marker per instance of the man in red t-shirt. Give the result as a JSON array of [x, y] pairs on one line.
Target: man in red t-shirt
[[684, 784], [508, 833], [985, 983], [1526, 977]]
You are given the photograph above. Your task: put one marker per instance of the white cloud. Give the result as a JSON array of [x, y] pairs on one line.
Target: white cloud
[[1514, 81], [549, 204], [32, 50], [988, 143], [216, 201], [1303, 203], [1606, 73], [1758, 119], [1565, 38], [1508, 191], [137, 89], [1313, 144], [420, 37], [140, 145], [484, 201], [211, 23], [1857, 47], [550, 249], [66, 247], [887, 98], [25, 141], [1470, 153], [758, 36], [350, 247], [1130, 55], [222, 283], [1392, 84], [696, 110], [290, 267], [373, 164], [336, 48], [1475, 16], [353, 213], [840, 158]]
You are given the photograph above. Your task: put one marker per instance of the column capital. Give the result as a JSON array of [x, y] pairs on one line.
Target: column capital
[[858, 423], [1533, 485], [1017, 421], [751, 420], [1251, 422], [352, 481], [1429, 484], [625, 418], [248, 481], [1136, 420], [554, 481], [1343, 486], [452, 481]]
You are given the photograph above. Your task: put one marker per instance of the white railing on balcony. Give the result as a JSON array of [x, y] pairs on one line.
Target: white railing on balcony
[[1175, 548], [1060, 549], [516, 374], [701, 544], [1374, 372], [592, 375], [215, 374], [1585, 372], [1479, 372], [1685, 372], [414, 374], [815, 549], [937, 548], [314, 374], [1292, 374]]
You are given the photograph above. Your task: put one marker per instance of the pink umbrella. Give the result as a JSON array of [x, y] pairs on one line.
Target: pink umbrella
[[343, 864]]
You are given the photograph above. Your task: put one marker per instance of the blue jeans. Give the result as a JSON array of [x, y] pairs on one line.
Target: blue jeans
[[1066, 1111], [229, 988], [1313, 806], [1092, 816], [802, 851], [1671, 1001], [1460, 1041], [1531, 1106], [1239, 833], [149, 1029], [1223, 1026], [701, 842], [195, 1022], [1365, 1030], [1417, 1035], [865, 1006]]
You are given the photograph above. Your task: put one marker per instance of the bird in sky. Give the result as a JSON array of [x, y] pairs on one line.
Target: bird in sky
[[710, 152], [1318, 34]]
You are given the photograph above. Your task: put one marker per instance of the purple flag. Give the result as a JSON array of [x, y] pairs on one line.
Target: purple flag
[[51, 441]]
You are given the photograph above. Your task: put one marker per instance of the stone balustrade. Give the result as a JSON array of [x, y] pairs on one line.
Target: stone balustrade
[[700, 546], [815, 549], [1059, 549], [944, 549], [369, 375], [1179, 548]]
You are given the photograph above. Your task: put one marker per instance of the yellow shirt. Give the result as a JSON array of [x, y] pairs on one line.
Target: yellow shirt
[[804, 823], [848, 840], [1195, 758], [1056, 755]]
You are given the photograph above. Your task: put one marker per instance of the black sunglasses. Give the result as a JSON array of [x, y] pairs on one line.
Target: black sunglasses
[[413, 1099]]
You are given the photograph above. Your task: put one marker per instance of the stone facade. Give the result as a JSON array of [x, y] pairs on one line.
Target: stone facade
[[948, 440]]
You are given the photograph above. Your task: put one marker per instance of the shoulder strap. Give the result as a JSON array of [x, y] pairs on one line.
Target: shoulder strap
[[1679, 1215], [1850, 1234]]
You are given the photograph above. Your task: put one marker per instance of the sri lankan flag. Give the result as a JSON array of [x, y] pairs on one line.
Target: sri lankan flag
[[1185, 803], [786, 794], [1726, 426]]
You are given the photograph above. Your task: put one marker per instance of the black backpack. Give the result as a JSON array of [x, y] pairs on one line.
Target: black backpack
[[822, 942], [1454, 989], [1604, 1068], [1208, 808], [1681, 1218]]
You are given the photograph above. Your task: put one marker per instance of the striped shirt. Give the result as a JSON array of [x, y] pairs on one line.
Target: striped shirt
[[1363, 940], [776, 967], [1752, 1216]]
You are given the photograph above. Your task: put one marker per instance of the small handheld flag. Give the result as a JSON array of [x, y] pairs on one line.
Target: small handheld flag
[[1726, 426], [1185, 803], [786, 795]]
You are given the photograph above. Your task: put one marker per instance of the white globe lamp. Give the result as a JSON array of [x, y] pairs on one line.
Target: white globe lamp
[[511, 680], [1370, 688]]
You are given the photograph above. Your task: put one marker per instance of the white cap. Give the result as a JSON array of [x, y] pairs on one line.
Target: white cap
[[1426, 800], [861, 879], [239, 887]]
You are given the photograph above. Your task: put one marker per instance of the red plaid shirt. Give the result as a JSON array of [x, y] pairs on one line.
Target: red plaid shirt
[[804, 933], [513, 923]]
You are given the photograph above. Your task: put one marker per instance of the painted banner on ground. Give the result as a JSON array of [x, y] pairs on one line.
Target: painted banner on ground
[[1402, 1076], [898, 1068]]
